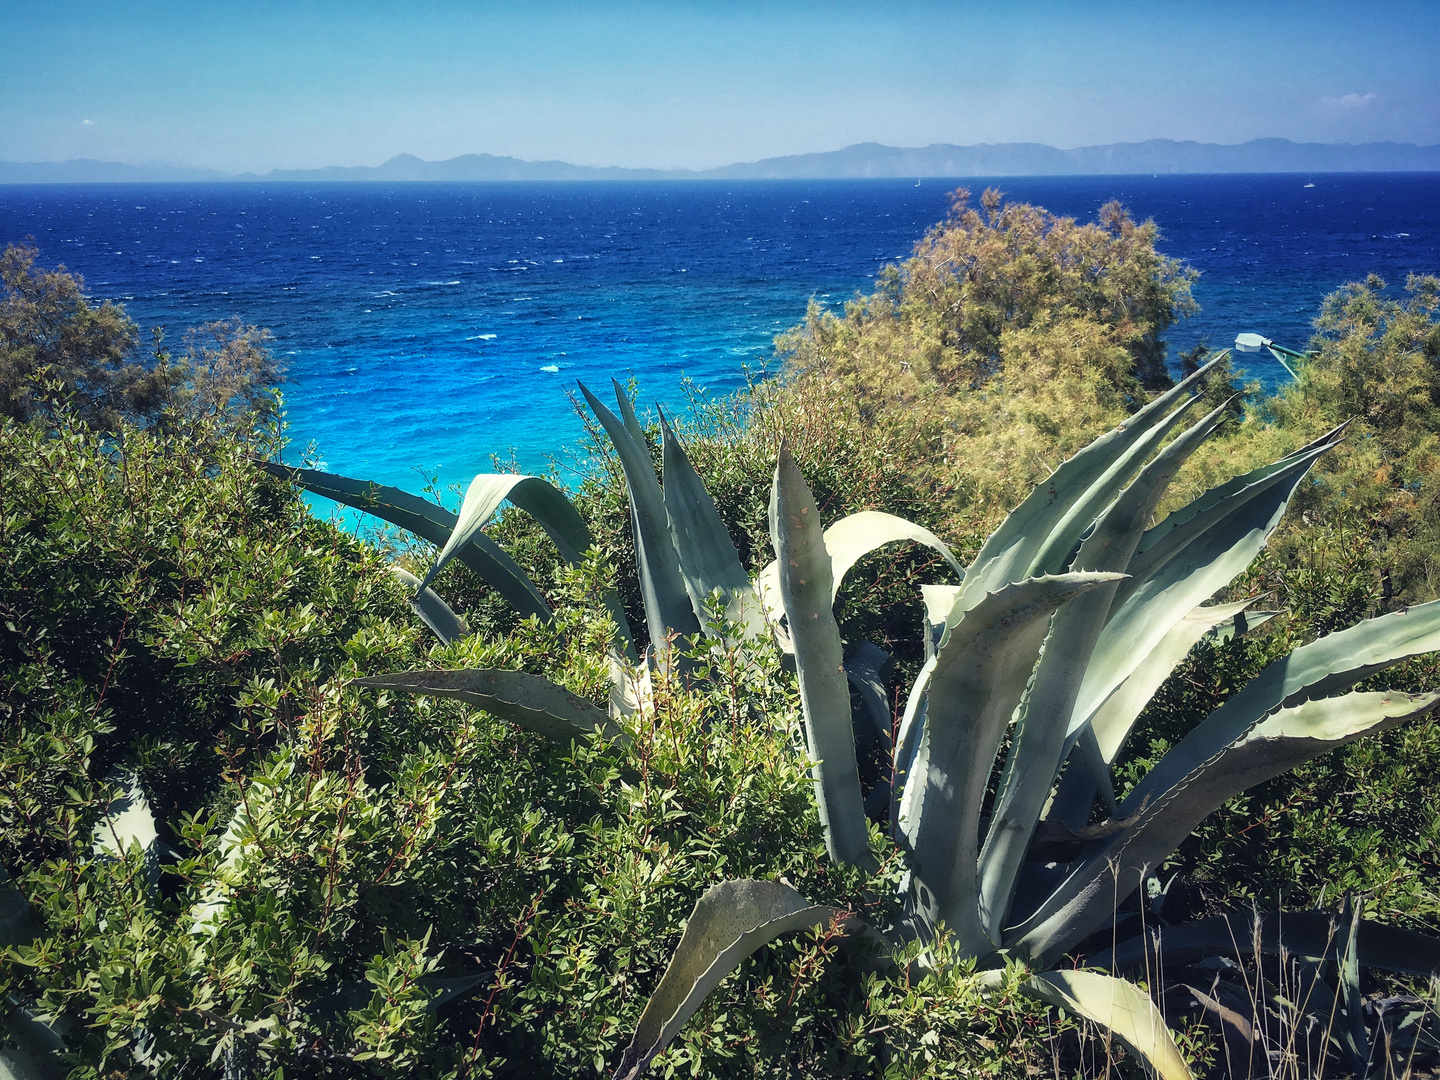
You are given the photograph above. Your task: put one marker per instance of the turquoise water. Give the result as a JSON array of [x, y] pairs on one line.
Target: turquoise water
[[429, 326]]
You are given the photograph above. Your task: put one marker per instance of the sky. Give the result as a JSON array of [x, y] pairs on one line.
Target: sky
[[251, 86]]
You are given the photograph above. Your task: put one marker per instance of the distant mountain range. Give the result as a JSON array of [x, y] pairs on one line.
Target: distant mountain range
[[861, 161]]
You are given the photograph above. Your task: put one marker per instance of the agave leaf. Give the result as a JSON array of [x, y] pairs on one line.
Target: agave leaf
[[1110, 724], [214, 895], [1238, 484], [1117, 714], [1312, 936], [627, 414], [865, 670], [1227, 538], [662, 587], [17, 921], [427, 521], [1275, 482], [708, 560], [1012, 547], [1037, 749], [433, 611], [1354, 1041], [939, 602], [541, 499], [854, 536], [1055, 553], [848, 541], [805, 591], [1239, 745], [970, 690], [528, 701], [730, 921], [1120, 1007], [30, 1048], [128, 821], [550, 507]]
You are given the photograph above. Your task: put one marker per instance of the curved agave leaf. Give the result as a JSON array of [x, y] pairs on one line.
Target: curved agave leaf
[[17, 922], [1120, 1007], [1038, 746], [549, 506], [970, 690], [1313, 936], [865, 670], [805, 591], [1012, 548], [433, 611], [1217, 547], [730, 921], [1238, 484], [128, 821], [849, 540], [528, 701], [662, 587], [30, 1048], [544, 502], [1239, 745], [708, 559], [1110, 724], [427, 521], [939, 602]]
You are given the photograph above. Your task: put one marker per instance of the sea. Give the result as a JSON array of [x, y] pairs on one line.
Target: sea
[[431, 329]]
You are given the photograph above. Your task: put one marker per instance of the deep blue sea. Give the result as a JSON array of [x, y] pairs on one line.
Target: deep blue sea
[[430, 326]]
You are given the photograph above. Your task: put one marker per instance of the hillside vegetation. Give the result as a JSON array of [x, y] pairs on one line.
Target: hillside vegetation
[[350, 883]]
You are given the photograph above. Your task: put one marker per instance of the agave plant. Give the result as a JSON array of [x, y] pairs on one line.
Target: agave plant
[[1038, 665]]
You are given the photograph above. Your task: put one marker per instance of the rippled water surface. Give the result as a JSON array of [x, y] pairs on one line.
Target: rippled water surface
[[428, 327]]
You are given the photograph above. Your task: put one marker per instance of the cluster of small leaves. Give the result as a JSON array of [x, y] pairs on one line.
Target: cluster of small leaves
[[352, 884]]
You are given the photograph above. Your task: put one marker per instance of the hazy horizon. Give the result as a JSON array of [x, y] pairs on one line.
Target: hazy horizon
[[262, 85]]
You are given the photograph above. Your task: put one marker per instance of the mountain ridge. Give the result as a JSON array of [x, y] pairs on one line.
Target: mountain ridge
[[858, 161]]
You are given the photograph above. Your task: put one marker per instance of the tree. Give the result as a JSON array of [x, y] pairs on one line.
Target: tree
[[60, 350]]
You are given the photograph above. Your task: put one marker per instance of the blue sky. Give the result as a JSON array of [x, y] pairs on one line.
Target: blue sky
[[254, 86]]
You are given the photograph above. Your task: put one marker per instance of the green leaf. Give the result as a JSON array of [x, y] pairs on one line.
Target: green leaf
[[528, 701], [1313, 936], [1012, 547], [1038, 744], [1195, 561], [864, 669], [433, 611], [427, 521], [128, 821], [708, 559], [969, 691], [849, 540], [662, 588], [805, 591], [1120, 1007], [730, 921], [1240, 744]]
